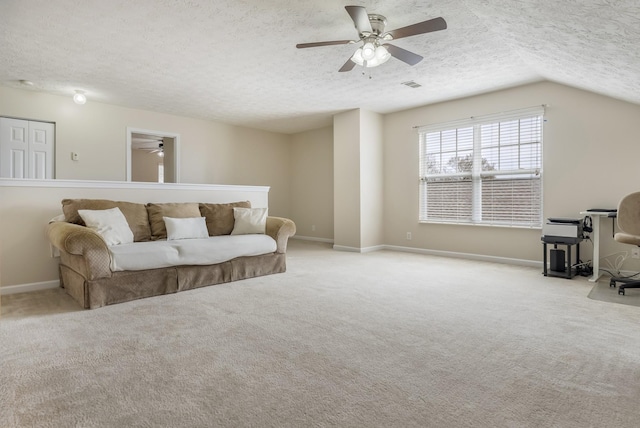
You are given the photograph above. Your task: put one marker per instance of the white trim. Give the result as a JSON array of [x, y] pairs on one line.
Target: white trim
[[312, 238], [365, 250], [439, 253], [176, 148], [26, 182], [362, 250], [348, 249], [469, 256], [27, 288]]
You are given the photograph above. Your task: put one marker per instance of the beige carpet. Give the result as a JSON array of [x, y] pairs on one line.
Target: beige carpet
[[352, 340]]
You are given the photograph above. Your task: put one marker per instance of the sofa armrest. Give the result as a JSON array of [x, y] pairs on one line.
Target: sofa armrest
[[83, 247], [280, 229]]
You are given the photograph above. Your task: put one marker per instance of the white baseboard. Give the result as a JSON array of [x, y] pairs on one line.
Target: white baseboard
[[312, 238], [26, 288], [359, 250], [469, 256], [347, 249]]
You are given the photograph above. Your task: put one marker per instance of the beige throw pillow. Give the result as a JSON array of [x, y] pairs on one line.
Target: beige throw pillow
[[220, 218], [249, 221], [136, 214], [173, 210]]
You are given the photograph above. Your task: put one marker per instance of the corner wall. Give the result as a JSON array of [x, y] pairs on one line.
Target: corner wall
[[312, 183], [590, 155], [358, 180]]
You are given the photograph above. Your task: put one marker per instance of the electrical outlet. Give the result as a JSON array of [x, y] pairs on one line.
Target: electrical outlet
[[408, 236], [635, 252]]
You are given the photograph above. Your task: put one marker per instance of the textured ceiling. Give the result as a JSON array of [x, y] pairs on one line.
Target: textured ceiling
[[235, 61]]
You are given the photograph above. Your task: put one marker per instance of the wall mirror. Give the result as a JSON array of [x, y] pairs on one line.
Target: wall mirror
[[152, 156]]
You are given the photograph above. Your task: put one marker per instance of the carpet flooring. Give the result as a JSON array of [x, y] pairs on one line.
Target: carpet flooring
[[384, 339]]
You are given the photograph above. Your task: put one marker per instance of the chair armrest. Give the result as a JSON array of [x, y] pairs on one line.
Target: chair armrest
[[83, 247], [280, 229]]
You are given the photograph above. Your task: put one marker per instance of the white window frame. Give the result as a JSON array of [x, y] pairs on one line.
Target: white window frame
[[476, 175]]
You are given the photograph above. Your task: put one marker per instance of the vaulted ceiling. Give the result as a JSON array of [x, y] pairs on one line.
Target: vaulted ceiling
[[235, 61]]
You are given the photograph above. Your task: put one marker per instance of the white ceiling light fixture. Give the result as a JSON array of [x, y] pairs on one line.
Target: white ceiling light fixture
[[372, 54], [79, 97]]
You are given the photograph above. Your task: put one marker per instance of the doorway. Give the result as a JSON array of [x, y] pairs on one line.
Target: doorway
[[153, 156]]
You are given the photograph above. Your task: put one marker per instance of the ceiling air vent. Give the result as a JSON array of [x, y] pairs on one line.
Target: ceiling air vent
[[411, 84]]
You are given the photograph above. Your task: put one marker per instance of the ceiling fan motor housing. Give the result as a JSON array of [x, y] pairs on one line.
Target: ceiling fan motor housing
[[378, 22]]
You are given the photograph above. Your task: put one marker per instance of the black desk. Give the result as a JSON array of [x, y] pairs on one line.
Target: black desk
[[560, 240]]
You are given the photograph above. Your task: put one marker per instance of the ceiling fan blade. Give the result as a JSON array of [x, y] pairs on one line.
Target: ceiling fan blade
[[316, 44], [348, 66], [360, 18], [435, 24], [403, 54]]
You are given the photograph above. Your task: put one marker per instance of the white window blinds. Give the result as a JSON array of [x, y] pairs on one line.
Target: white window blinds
[[485, 170]]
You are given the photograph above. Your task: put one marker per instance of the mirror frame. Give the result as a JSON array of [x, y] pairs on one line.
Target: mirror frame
[[161, 134]]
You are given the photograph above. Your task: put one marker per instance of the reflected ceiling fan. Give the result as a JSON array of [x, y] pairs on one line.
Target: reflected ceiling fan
[[159, 150], [148, 144], [375, 49]]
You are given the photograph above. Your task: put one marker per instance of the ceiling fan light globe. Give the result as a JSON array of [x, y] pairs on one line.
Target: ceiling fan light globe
[[382, 54], [357, 57], [368, 51]]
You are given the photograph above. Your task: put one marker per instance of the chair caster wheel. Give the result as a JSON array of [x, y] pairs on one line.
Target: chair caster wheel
[[612, 283], [621, 291]]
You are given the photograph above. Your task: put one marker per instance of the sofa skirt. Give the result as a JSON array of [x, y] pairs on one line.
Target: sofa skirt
[[126, 286]]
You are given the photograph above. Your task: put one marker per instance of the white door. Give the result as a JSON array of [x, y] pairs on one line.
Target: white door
[[14, 148], [26, 149], [41, 150]]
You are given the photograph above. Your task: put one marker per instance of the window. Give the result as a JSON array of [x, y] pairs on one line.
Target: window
[[485, 170]]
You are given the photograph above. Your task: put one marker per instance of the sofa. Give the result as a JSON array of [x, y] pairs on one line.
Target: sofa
[[117, 251]]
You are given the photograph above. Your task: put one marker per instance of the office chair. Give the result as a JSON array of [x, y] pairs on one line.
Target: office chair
[[629, 224]]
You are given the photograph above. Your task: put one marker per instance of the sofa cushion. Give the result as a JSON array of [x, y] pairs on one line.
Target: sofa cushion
[[189, 252], [136, 214], [173, 210], [219, 217]]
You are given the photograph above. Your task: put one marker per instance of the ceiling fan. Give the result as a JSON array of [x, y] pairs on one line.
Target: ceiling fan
[[375, 50], [149, 145]]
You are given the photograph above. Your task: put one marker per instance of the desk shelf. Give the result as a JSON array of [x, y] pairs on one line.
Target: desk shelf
[[555, 241]]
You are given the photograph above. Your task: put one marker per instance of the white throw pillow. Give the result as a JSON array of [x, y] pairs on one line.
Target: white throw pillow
[[185, 228], [110, 224], [249, 221]]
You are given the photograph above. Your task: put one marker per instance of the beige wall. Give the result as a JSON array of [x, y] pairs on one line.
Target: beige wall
[[144, 166], [312, 183], [25, 211], [211, 152], [371, 179], [358, 180], [346, 179], [590, 156]]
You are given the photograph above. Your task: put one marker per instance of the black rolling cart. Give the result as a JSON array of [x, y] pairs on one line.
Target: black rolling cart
[[560, 260]]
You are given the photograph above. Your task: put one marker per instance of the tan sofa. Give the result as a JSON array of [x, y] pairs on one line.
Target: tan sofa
[[86, 260]]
